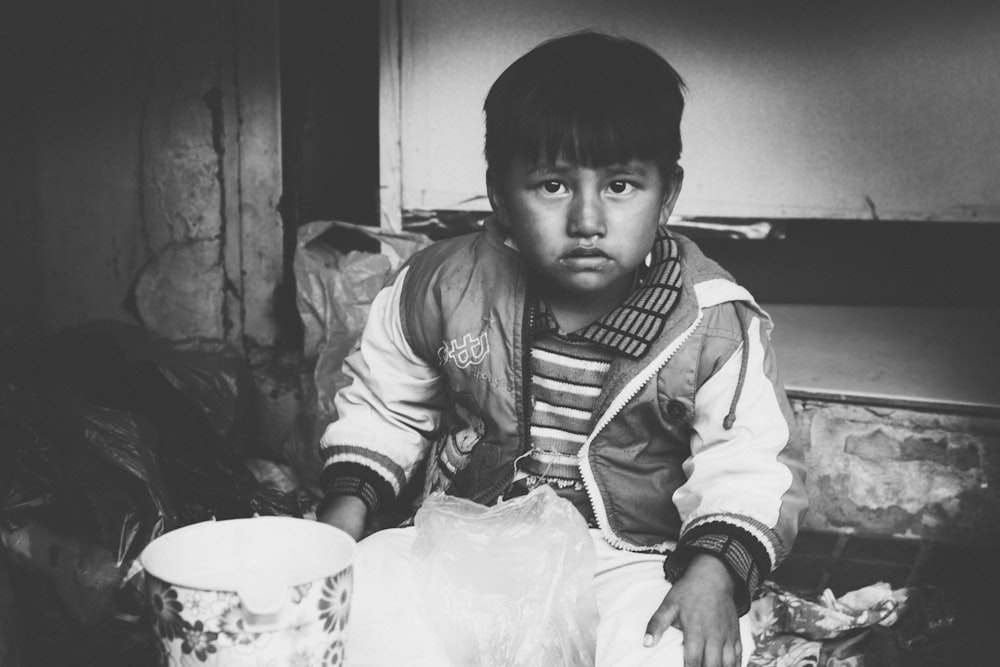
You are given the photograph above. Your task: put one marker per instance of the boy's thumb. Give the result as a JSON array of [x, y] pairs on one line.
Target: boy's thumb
[[662, 618]]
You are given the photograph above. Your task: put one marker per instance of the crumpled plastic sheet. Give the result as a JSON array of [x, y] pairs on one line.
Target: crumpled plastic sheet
[[509, 584]]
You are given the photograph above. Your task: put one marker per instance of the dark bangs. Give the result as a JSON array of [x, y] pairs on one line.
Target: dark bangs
[[588, 99]]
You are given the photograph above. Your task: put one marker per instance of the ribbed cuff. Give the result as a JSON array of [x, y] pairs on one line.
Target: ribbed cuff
[[743, 556], [354, 479]]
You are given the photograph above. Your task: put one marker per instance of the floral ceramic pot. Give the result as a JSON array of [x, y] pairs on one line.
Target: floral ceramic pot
[[262, 591]]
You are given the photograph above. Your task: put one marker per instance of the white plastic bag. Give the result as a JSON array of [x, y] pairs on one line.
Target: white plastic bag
[[509, 584], [334, 293]]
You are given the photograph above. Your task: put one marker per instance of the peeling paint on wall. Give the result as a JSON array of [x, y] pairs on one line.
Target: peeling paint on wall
[[902, 472], [183, 185], [179, 294], [140, 154]]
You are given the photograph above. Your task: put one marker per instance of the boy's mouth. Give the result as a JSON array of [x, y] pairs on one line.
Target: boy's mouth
[[585, 259], [582, 252]]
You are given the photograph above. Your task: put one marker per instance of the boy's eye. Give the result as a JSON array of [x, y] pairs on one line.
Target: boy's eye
[[620, 187], [552, 187]]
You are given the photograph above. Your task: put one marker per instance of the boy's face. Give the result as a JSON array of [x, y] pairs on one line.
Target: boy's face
[[584, 230]]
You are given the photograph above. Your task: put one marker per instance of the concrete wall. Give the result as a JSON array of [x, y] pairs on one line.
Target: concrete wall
[[846, 109], [147, 143], [902, 473], [18, 243]]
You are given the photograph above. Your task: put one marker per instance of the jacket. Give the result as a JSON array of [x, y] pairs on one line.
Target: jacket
[[694, 448]]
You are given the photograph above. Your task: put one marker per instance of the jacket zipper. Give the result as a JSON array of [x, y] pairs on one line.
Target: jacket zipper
[[527, 329], [527, 336], [626, 395]]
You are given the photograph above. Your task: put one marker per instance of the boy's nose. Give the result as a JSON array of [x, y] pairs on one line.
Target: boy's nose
[[586, 217]]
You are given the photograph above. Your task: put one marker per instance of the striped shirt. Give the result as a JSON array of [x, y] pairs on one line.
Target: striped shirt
[[568, 370], [566, 380]]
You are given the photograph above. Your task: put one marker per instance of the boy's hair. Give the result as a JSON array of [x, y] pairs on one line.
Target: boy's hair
[[588, 98]]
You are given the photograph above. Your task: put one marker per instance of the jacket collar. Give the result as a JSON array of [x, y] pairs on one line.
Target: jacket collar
[[633, 326]]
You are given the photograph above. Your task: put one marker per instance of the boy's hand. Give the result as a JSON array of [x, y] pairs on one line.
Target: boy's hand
[[345, 512], [701, 605]]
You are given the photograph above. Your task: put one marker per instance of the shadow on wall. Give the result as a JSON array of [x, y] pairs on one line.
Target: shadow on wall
[[151, 167]]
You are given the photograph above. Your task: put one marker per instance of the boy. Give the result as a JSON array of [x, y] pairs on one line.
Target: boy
[[577, 342]]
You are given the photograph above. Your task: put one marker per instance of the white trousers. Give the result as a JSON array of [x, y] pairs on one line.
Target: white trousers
[[389, 625]]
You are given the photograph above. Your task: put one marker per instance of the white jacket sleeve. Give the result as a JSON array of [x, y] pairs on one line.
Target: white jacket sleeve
[[386, 414], [744, 493]]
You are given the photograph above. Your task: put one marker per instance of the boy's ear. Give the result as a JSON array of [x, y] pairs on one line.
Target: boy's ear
[[674, 183], [494, 193]]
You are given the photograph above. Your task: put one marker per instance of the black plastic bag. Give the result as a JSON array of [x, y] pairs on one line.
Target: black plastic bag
[[109, 438], [190, 404], [89, 472]]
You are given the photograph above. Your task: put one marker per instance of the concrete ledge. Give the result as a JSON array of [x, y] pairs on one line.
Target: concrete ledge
[[925, 358]]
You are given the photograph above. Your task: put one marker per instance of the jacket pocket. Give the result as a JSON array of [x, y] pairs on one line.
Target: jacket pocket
[[453, 450]]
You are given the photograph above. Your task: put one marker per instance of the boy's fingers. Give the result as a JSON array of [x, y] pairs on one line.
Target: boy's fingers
[[662, 618], [694, 653], [732, 654]]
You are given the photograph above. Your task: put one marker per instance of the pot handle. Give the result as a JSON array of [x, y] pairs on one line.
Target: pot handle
[[262, 602]]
